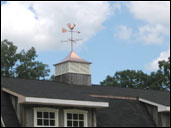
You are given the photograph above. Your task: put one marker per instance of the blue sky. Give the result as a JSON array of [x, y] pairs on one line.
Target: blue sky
[[115, 35]]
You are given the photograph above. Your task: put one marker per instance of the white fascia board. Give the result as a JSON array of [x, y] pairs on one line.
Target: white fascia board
[[161, 108], [168, 109], [66, 102], [2, 122]]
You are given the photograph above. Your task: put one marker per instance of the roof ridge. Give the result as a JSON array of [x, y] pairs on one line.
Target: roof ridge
[[31, 79], [41, 80], [93, 85]]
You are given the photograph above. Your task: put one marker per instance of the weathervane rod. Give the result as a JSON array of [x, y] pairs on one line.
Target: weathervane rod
[[71, 41]]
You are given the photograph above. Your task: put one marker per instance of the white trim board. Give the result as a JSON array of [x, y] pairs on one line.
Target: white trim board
[[161, 108], [3, 124], [50, 101], [66, 102]]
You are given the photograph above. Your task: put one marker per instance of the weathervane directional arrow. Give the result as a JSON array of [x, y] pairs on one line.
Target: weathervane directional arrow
[[71, 31]]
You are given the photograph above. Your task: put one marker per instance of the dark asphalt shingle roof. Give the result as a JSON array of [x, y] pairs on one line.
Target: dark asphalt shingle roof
[[160, 97], [45, 89], [124, 113], [120, 113], [49, 89], [7, 111]]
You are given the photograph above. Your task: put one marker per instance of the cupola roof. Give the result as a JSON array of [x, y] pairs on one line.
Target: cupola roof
[[73, 57]]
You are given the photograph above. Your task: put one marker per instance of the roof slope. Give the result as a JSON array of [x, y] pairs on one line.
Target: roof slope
[[123, 113], [120, 112], [49, 89], [7, 111], [160, 97], [45, 89]]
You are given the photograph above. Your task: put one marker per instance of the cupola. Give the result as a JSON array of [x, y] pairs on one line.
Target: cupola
[[73, 69]]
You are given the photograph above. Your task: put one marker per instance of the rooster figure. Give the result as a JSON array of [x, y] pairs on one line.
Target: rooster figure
[[71, 27]]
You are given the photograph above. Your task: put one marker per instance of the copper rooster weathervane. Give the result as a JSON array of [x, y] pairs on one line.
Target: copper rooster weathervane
[[71, 31]]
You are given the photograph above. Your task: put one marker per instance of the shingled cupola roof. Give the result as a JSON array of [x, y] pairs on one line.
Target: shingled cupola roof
[[73, 57]]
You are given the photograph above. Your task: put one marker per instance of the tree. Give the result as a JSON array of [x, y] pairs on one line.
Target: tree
[[165, 68], [28, 68], [52, 78], [159, 80], [9, 58], [22, 64], [128, 78]]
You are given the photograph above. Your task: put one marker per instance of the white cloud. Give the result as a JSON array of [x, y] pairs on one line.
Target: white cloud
[[124, 32], [156, 17], [151, 34], [39, 24], [156, 28], [153, 66], [153, 12]]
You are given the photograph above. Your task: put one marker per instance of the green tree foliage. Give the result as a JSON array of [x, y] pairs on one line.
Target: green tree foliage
[[159, 80], [21, 65], [9, 58], [52, 78], [165, 68], [128, 78]]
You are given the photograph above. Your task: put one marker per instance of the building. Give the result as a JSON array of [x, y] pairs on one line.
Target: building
[[72, 101]]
